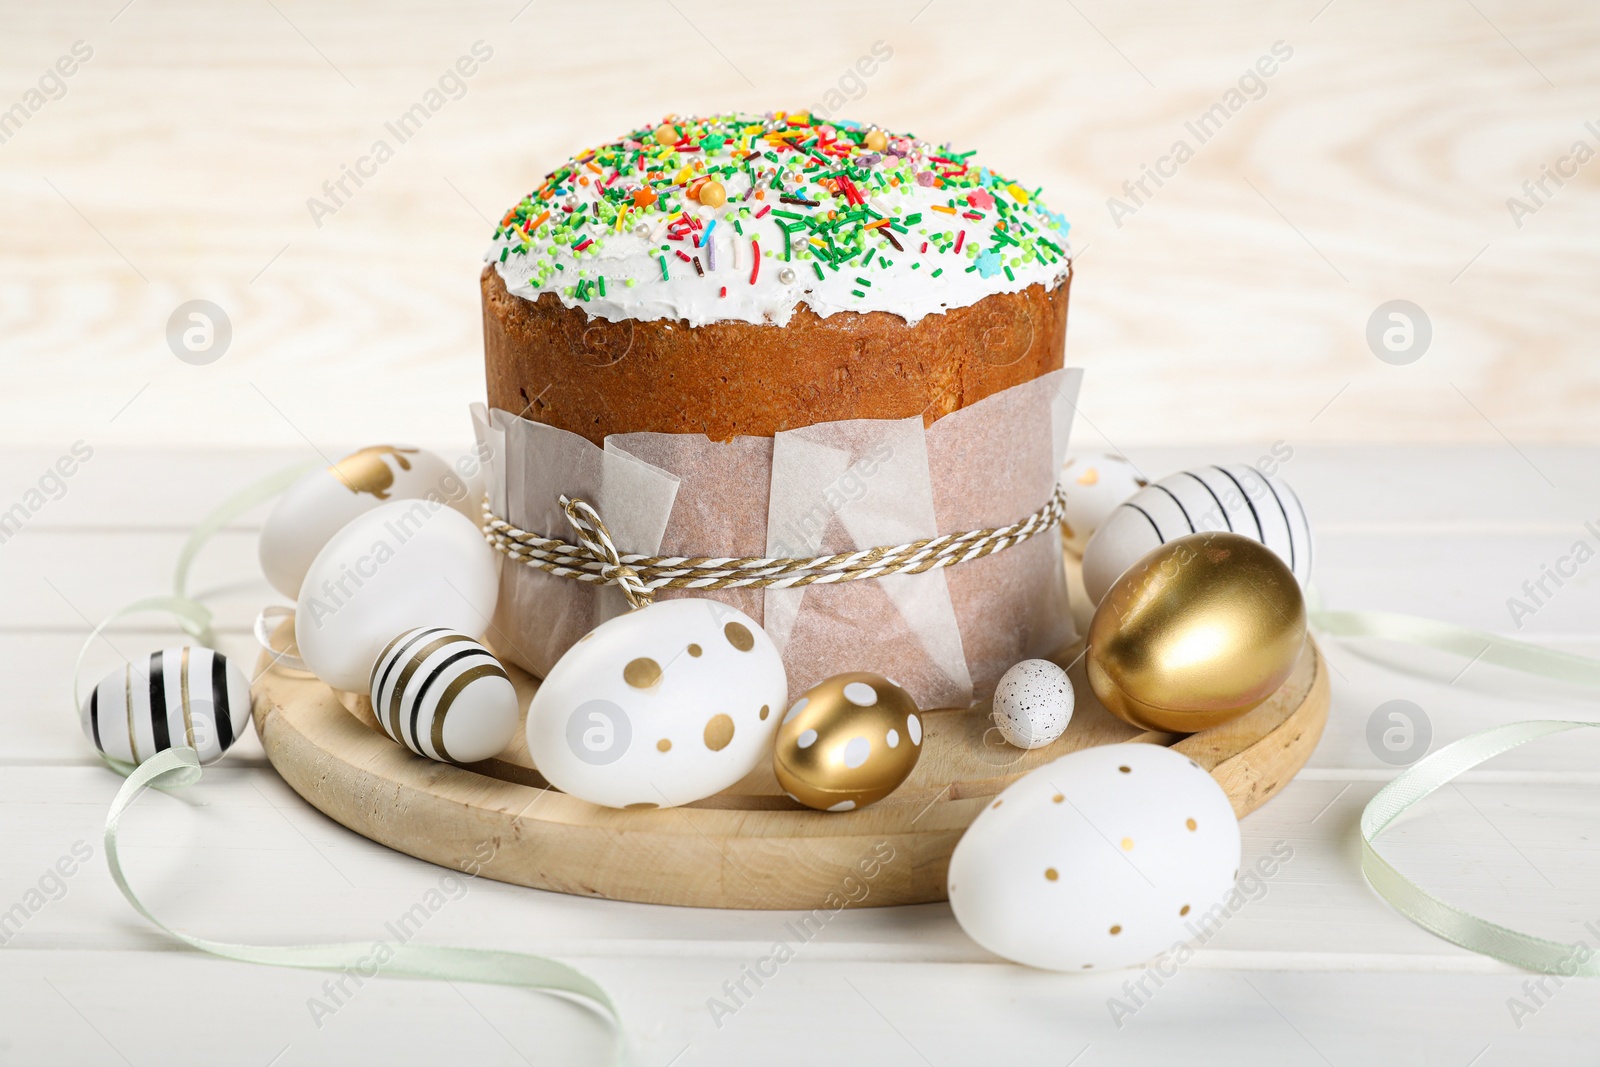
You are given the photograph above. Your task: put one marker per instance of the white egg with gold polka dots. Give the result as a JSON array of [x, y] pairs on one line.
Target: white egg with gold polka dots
[[1107, 857], [1095, 483], [662, 706]]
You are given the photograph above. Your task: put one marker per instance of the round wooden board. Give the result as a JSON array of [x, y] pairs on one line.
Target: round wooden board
[[748, 847]]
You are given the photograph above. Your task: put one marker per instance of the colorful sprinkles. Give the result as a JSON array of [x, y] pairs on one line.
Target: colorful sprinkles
[[817, 188]]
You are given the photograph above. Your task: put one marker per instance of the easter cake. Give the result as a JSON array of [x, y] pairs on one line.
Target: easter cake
[[771, 339], [739, 275]]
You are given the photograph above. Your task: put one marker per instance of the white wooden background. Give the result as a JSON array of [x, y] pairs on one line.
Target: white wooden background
[[1317, 971], [1230, 307]]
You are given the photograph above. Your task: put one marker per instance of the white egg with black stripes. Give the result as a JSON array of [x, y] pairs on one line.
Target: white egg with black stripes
[[1233, 498], [186, 696], [444, 696]]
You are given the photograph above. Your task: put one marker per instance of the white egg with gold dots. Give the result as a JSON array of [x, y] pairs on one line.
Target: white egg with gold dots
[[1095, 483], [187, 696], [1106, 857], [663, 706], [444, 696]]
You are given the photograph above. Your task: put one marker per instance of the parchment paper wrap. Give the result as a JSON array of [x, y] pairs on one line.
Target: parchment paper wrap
[[945, 635]]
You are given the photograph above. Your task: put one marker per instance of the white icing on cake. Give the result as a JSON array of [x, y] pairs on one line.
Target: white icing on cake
[[963, 232]]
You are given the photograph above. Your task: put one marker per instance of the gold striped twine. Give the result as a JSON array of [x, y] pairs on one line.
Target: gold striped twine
[[596, 559]]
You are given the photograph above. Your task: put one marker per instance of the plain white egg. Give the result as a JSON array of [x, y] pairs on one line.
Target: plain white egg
[[404, 564]]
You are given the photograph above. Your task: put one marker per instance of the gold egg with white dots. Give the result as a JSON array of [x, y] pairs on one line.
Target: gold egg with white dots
[[847, 742], [662, 706]]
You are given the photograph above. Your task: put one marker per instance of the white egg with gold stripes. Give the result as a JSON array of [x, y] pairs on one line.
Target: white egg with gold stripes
[[1233, 498], [187, 696], [444, 696]]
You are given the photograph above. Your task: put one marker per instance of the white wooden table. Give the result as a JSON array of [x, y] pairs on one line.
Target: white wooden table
[[1317, 970]]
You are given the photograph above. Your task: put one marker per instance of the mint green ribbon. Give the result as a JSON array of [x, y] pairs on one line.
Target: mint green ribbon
[[179, 767], [1428, 774], [1461, 641], [1427, 910], [257, 492]]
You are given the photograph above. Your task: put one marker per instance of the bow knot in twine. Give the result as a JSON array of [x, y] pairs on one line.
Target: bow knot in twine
[[596, 538], [595, 558]]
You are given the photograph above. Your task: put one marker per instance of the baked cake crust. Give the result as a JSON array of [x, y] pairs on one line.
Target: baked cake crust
[[556, 365]]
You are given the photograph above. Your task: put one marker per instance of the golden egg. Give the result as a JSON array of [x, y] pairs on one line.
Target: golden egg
[[876, 140], [666, 134], [849, 741], [1196, 633]]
